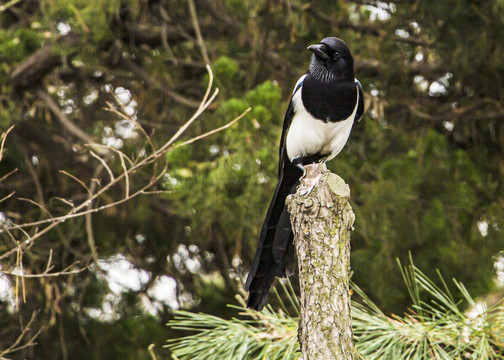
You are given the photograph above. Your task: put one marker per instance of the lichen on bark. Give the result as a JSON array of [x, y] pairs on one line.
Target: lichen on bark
[[322, 219]]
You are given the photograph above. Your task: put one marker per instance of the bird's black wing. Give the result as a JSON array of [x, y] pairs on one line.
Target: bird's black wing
[[360, 106], [289, 114], [275, 251]]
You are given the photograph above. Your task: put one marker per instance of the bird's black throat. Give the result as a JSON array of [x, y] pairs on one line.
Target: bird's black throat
[[329, 101]]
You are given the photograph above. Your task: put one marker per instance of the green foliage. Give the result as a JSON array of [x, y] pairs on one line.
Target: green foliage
[[253, 335], [425, 168], [15, 45], [439, 328], [93, 16], [225, 70], [267, 336], [443, 328], [437, 191], [228, 175], [7, 111]]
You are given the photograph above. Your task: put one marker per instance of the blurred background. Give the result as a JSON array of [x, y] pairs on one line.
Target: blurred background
[[425, 165]]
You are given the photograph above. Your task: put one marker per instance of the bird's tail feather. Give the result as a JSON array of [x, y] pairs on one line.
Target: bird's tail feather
[[283, 249], [275, 252]]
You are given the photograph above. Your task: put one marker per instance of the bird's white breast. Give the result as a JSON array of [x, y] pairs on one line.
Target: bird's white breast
[[308, 136]]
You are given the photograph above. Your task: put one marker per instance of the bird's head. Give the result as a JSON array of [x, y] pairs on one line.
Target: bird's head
[[332, 59]]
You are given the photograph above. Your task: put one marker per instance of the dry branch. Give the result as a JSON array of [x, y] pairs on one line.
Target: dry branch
[[2, 141], [28, 233], [129, 168], [197, 30], [16, 346]]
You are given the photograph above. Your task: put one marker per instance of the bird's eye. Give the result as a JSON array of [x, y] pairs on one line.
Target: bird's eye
[[336, 54]]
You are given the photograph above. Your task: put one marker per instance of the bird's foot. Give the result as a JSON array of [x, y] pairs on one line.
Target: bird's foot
[[311, 177]]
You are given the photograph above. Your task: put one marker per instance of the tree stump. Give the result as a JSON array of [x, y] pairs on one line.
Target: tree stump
[[322, 219]]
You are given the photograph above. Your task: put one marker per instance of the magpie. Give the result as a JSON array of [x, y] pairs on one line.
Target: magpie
[[324, 105]]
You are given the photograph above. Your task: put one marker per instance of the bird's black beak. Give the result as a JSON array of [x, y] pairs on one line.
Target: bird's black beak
[[318, 50]]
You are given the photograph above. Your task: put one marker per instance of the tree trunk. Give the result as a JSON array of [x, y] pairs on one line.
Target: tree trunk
[[322, 219]]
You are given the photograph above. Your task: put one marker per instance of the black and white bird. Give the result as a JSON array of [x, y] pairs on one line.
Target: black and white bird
[[324, 105]]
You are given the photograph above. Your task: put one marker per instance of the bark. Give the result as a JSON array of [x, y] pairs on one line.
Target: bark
[[32, 70], [322, 220], [152, 35]]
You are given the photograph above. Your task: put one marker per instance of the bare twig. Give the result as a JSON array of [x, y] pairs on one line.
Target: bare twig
[[49, 267], [43, 275], [126, 176], [76, 212], [197, 30], [65, 201], [114, 150], [8, 174], [104, 164], [211, 132], [129, 118], [14, 347], [29, 343], [151, 352], [7, 197], [85, 207], [2, 141], [17, 227], [166, 46], [19, 274], [204, 104], [81, 183], [88, 218], [8, 5], [40, 206]]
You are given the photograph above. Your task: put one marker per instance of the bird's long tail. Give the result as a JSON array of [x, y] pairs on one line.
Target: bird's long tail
[[275, 251]]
